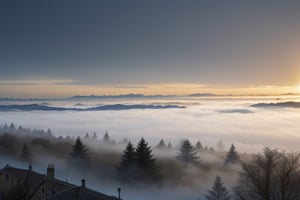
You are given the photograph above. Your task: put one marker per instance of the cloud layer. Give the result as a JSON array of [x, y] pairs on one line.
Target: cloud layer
[[209, 121]]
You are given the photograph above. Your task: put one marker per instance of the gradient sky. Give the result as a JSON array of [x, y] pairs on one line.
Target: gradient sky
[[118, 46]]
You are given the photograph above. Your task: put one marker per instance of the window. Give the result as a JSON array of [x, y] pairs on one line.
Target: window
[[52, 192]]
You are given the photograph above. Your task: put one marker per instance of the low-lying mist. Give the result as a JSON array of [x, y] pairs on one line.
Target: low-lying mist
[[177, 180], [231, 120]]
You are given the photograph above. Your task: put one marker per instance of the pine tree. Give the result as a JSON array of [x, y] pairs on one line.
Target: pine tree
[[49, 132], [106, 137], [79, 156], [95, 136], [199, 146], [170, 147], [87, 136], [161, 145], [145, 163], [218, 191], [25, 154], [232, 156], [12, 126], [187, 153], [126, 169]]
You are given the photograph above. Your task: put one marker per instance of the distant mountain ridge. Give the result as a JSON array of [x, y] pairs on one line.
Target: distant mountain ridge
[[39, 107], [288, 104], [131, 95]]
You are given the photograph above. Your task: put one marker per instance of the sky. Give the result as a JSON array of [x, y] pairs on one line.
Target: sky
[[63, 48]]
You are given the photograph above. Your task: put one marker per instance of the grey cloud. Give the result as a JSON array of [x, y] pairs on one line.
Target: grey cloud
[[242, 111]]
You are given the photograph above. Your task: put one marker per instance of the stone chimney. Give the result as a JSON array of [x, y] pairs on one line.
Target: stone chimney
[[83, 182], [30, 167], [50, 171]]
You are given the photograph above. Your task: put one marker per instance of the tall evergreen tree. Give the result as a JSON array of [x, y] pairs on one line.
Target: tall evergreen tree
[[187, 153], [145, 162], [232, 156], [106, 137], [170, 147], [49, 132], [95, 136], [161, 144], [126, 169], [12, 126], [199, 146], [79, 156], [25, 154], [218, 191]]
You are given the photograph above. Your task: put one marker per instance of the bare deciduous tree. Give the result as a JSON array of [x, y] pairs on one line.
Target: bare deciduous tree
[[272, 175]]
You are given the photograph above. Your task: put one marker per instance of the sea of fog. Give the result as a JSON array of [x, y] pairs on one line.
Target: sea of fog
[[230, 119]]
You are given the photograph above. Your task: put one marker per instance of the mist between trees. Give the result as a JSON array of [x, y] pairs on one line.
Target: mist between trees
[[193, 169]]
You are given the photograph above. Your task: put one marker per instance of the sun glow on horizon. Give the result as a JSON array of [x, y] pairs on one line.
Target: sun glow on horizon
[[67, 88]]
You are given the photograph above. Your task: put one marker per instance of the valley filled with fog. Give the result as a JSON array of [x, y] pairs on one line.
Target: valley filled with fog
[[230, 119], [250, 123]]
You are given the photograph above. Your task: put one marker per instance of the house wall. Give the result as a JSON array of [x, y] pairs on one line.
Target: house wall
[[48, 188], [7, 182]]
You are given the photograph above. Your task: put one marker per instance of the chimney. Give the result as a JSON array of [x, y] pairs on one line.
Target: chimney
[[30, 167], [50, 171], [119, 193], [83, 182]]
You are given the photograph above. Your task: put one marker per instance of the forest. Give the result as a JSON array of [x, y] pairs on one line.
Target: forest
[[212, 173]]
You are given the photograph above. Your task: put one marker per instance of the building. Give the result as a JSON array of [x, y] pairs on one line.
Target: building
[[25, 180], [31, 185], [80, 193]]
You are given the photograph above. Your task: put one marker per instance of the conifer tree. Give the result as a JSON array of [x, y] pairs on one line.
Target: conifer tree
[[49, 132], [106, 137], [126, 168], [12, 126], [232, 156], [79, 156], [25, 154], [161, 144], [218, 191], [187, 153], [199, 146], [170, 147], [145, 162], [95, 136]]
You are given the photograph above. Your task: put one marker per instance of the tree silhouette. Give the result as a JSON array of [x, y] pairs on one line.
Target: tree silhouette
[[127, 165], [161, 144], [170, 147], [232, 156], [49, 132], [187, 153], [218, 191], [12, 126], [95, 136], [145, 163], [199, 146], [79, 156], [25, 154], [270, 175], [106, 137]]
